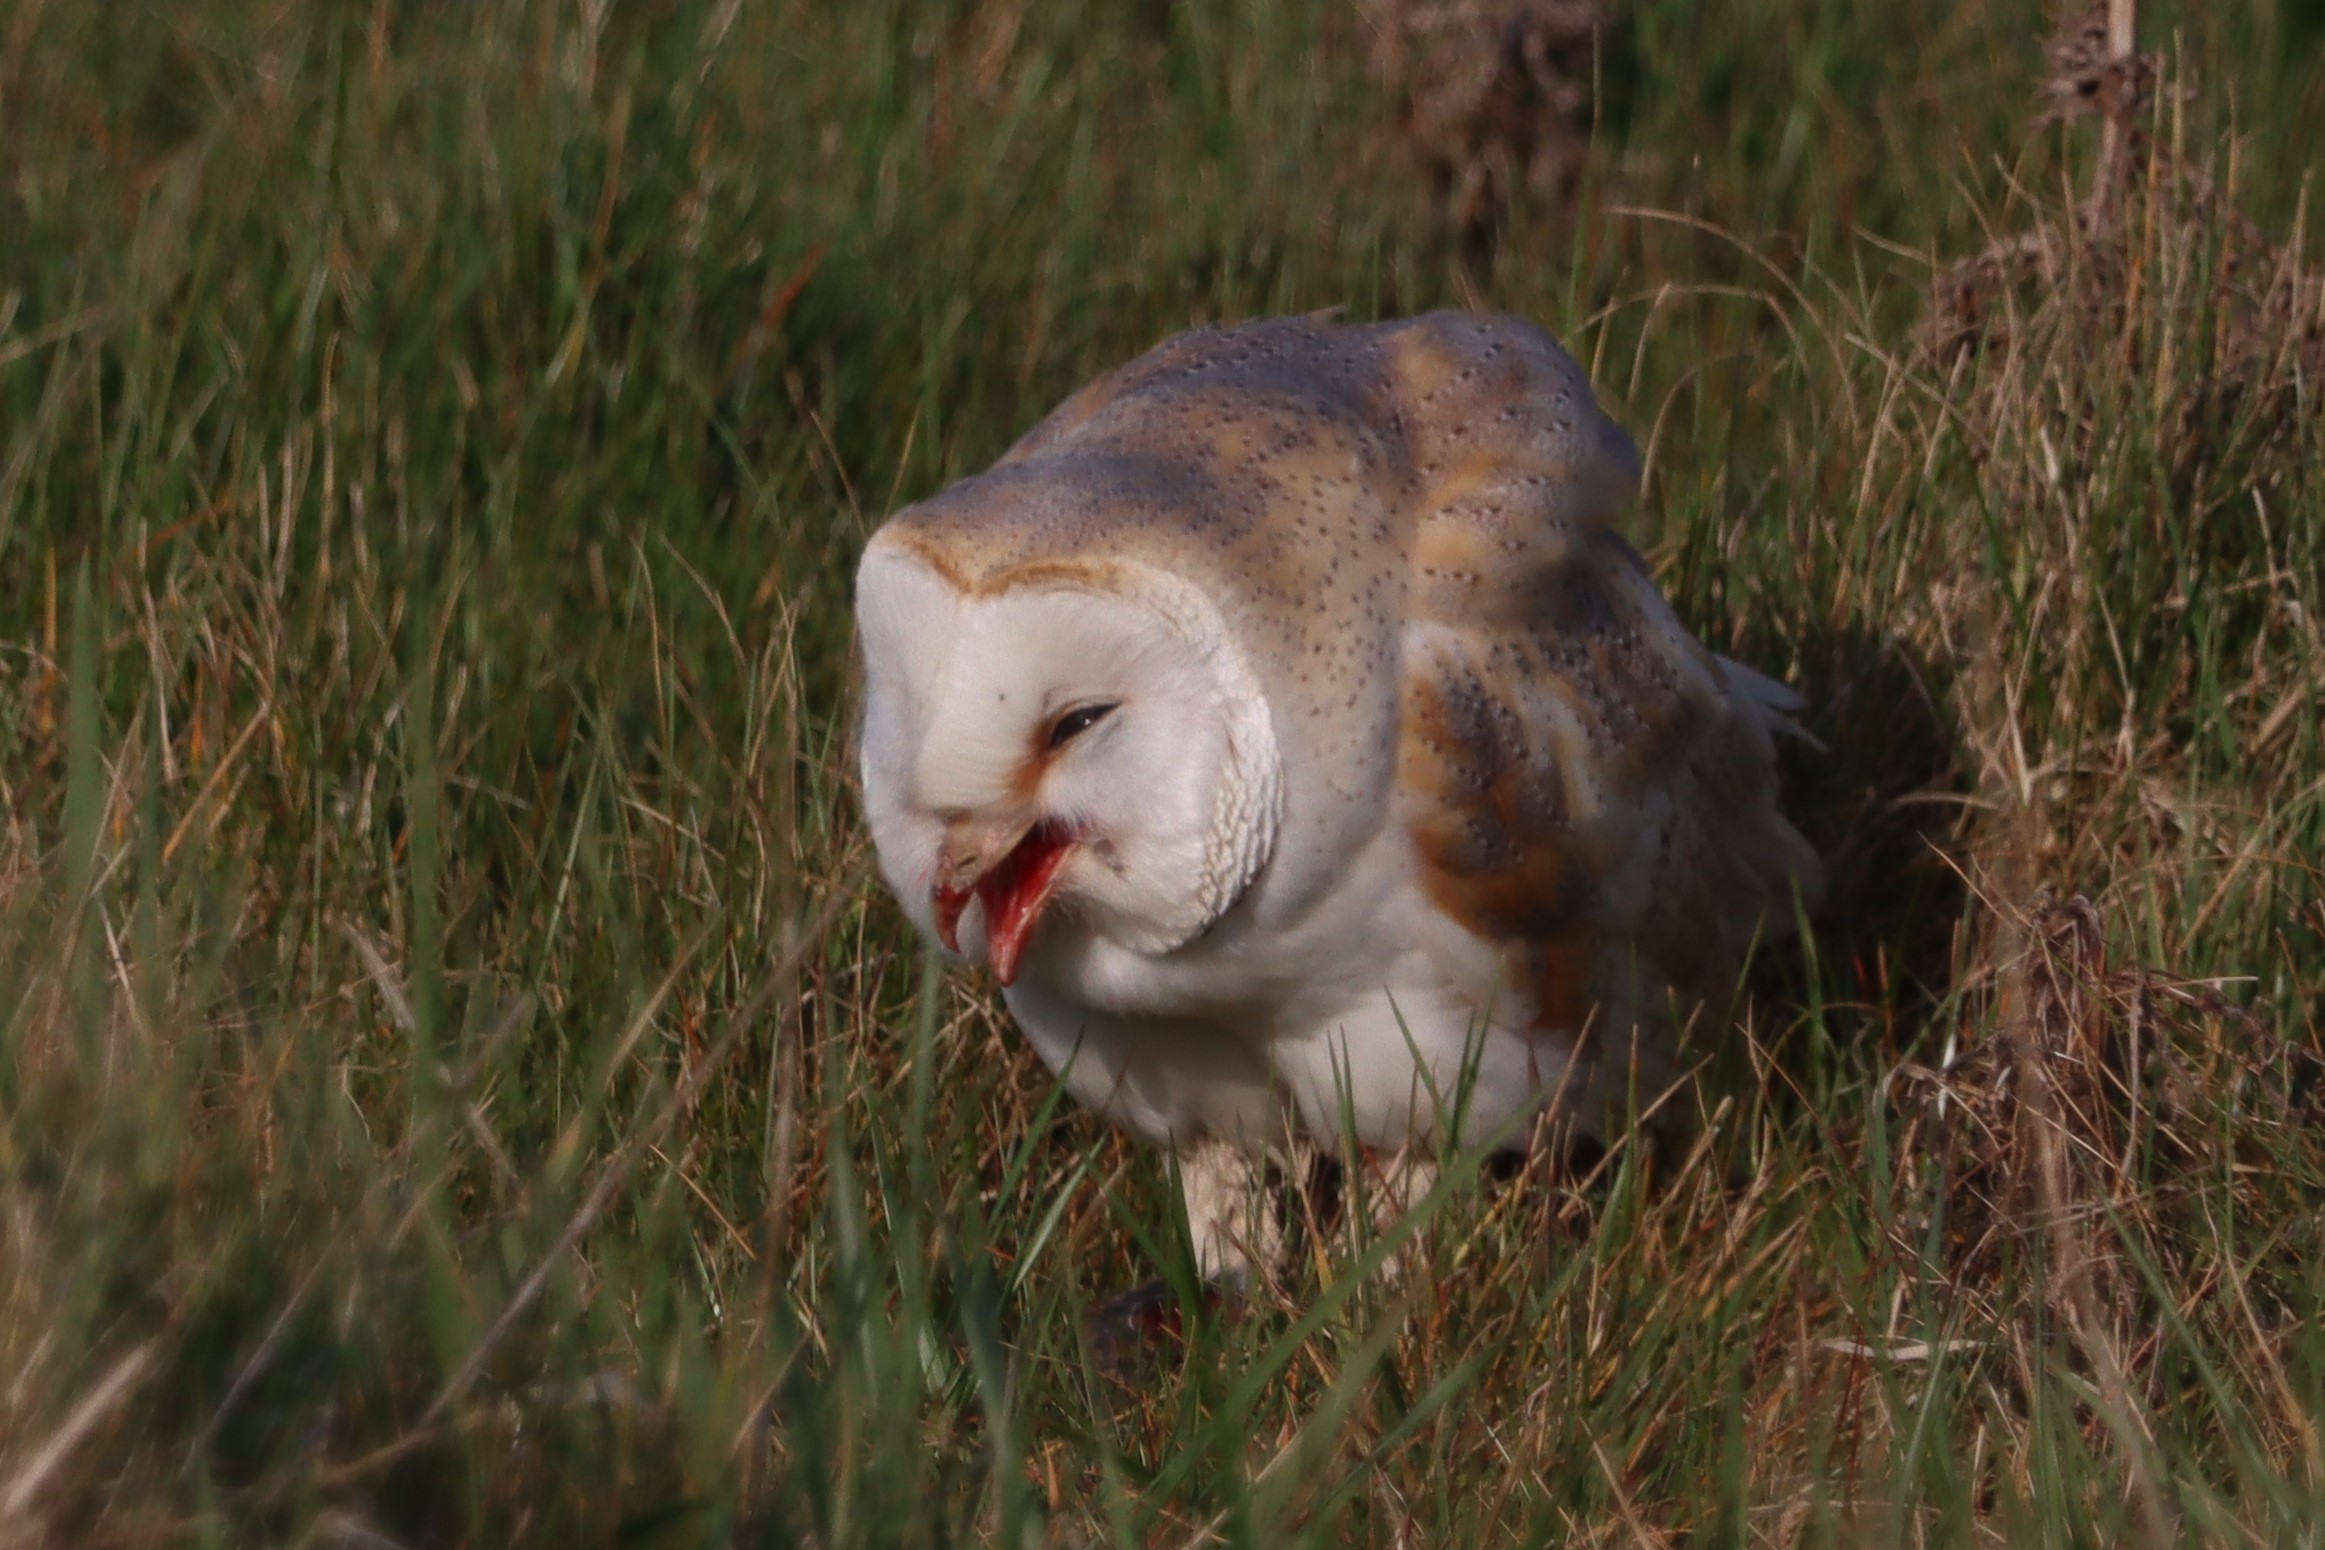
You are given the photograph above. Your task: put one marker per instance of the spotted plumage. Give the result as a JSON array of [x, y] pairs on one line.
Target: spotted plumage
[[1286, 723]]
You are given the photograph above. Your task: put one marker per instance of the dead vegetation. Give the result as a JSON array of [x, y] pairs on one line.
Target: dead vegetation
[[2058, 1148], [2133, 375], [1494, 98], [2154, 219]]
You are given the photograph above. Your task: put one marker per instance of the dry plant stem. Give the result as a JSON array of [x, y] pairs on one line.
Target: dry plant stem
[[16, 1500], [2122, 32], [2059, 1020]]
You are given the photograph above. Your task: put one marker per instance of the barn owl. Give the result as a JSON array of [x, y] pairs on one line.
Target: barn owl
[[1286, 725]]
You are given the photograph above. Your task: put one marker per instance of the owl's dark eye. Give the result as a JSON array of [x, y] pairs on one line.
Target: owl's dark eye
[[1077, 721]]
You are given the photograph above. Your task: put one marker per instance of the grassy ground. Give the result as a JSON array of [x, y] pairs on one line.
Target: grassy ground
[[459, 1084]]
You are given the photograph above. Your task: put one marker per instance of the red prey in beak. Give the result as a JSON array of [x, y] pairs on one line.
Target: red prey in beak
[[1011, 869]]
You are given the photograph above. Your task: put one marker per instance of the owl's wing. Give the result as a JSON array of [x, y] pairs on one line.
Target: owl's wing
[[1578, 771]]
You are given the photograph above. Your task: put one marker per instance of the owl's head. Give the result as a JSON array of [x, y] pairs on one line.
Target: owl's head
[[1074, 747]]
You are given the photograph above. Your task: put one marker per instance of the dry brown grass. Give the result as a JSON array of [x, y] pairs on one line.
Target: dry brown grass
[[1495, 101]]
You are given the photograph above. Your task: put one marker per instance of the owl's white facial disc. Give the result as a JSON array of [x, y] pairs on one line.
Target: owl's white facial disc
[[1108, 727]]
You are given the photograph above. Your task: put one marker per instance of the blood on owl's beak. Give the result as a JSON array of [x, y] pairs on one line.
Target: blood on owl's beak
[[1008, 865]]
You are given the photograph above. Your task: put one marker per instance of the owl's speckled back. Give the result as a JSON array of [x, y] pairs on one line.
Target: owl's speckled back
[[1292, 464], [1407, 524]]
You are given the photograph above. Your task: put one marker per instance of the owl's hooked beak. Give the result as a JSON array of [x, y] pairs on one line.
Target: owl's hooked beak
[[1010, 865]]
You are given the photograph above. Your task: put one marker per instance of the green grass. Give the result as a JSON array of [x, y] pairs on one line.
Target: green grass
[[459, 1080]]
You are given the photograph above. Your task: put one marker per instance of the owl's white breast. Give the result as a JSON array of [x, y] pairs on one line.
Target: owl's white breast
[[1366, 1008]]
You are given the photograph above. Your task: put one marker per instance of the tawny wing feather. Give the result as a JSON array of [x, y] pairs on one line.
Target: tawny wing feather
[[1579, 774]]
